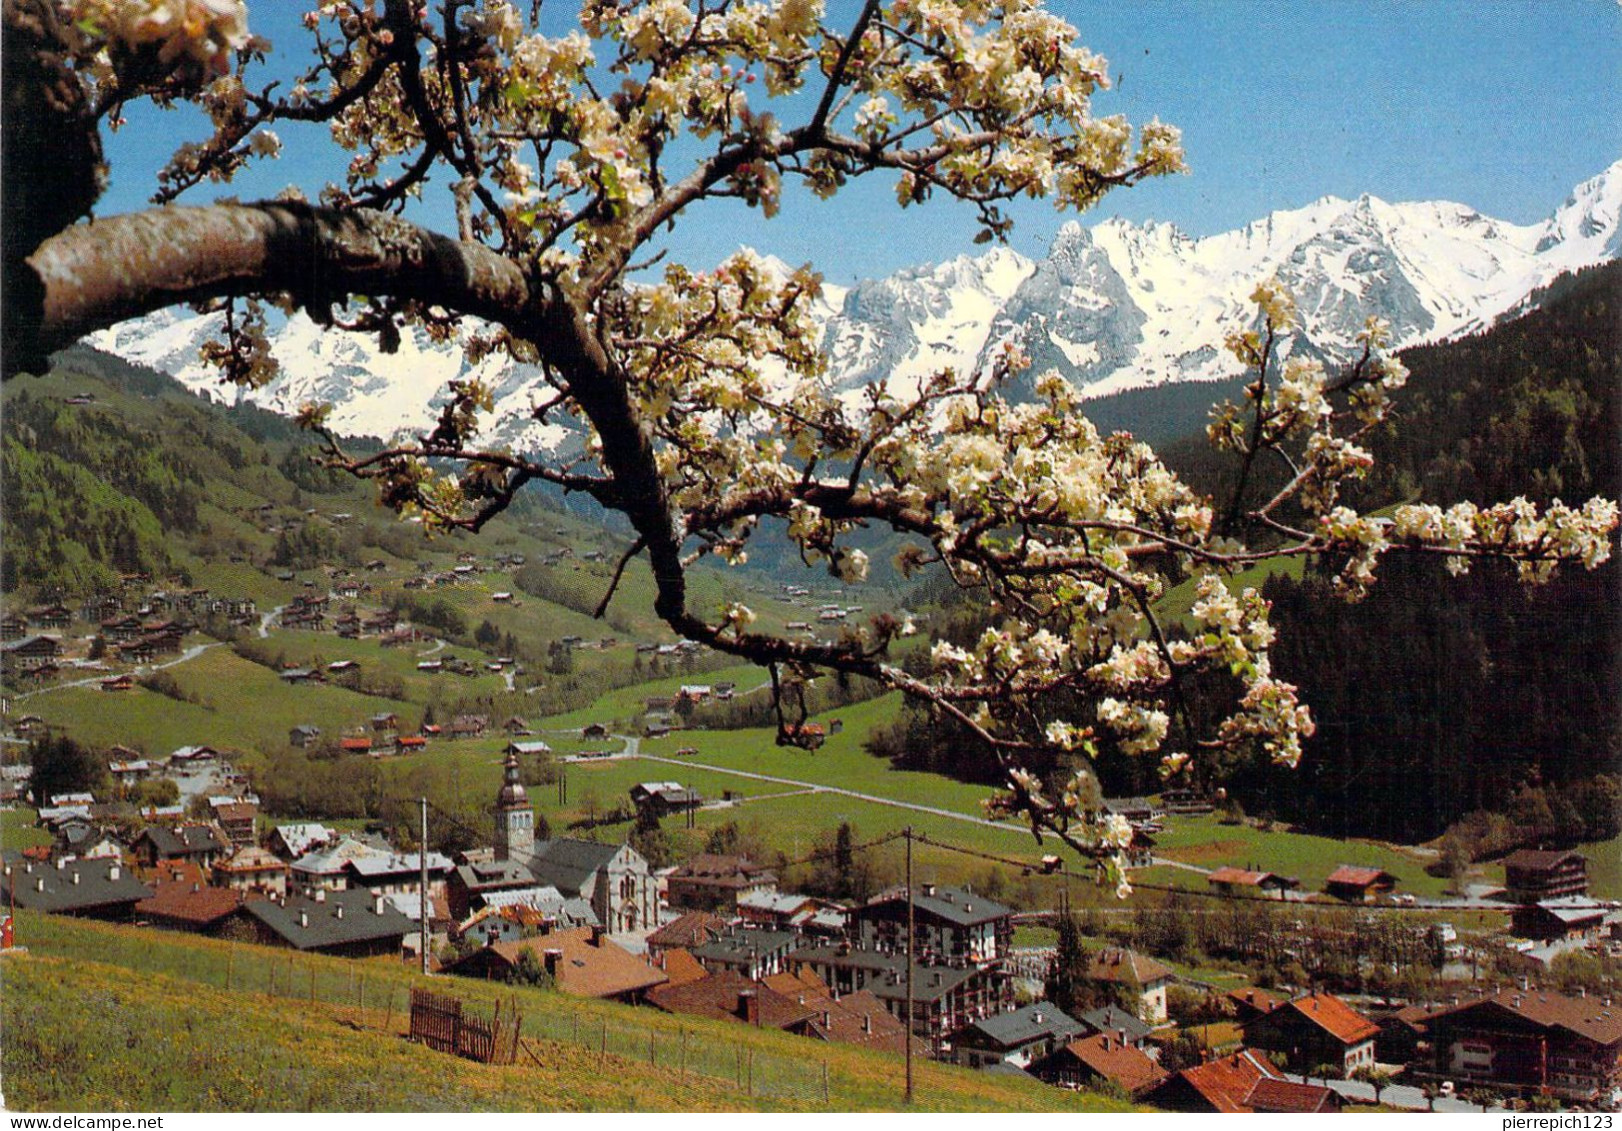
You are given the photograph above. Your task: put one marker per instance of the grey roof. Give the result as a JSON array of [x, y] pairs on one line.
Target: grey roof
[[390, 864], [956, 906], [81, 885], [332, 860], [1028, 1023], [185, 840], [1110, 1019], [324, 927], [494, 874], [887, 978], [548, 901], [744, 943]]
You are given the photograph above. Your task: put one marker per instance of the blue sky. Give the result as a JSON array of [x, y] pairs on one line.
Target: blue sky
[[1504, 105]]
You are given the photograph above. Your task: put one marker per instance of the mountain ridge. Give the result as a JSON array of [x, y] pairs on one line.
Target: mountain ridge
[[1115, 307]]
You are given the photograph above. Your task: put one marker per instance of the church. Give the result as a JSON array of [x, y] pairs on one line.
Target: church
[[613, 878]]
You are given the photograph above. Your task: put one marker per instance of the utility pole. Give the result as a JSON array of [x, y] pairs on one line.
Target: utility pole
[[907, 1034], [422, 858]]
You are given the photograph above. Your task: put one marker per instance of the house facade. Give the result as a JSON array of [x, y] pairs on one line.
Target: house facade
[[949, 925], [1531, 1041], [1316, 1030]]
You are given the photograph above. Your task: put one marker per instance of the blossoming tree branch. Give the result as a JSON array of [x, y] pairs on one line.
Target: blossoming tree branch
[[566, 158]]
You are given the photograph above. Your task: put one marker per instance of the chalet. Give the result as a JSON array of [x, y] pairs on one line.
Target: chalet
[[407, 743], [516, 726], [1137, 810], [945, 998], [304, 675], [180, 901], [252, 869], [1186, 801], [711, 882], [1566, 917], [389, 873], [655, 729], [1141, 975], [787, 911], [582, 962], [594, 730], [949, 924], [326, 867], [353, 924], [1532, 877], [385, 722], [1359, 885], [124, 682], [338, 667], [292, 841], [1126, 1027], [1100, 1058], [126, 774], [468, 726], [192, 757], [304, 735], [1019, 1038], [753, 952], [1531, 1042], [94, 889], [1243, 1082], [1250, 1002], [808, 735], [54, 616], [195, 843], [1316, 1030], [528, 749], [1240, 881], [122, 629], [30, 652], [433, 666], [686, 932], [1401, 1033], [355, 744], [665, 797], [13, 628], [237, 819]]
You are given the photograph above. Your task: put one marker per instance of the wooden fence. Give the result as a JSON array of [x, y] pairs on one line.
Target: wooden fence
[[439, 1022]]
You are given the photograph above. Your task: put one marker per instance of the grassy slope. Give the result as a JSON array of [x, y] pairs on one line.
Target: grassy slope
[[175, 1038]]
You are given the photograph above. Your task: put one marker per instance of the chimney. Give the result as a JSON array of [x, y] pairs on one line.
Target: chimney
[[320, 895], [1582, 991], [827, 1019], [749, 1007], [303, 917], [1037, 1017], [1122, 1034], [377, 905], [929, 889], [76, 878], [114, 872], [867, 1023], [1106, 1042], [553, 957], [39, 884], [1525, 983], [339, 911], [596, 936]]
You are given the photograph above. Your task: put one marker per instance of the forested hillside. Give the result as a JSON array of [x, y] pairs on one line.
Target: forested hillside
[[1436, 695]]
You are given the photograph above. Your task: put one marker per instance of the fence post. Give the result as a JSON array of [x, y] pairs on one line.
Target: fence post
[[684, 1054], [362, 996], [230, 958], [650, 1045], [602, 1047], [751, 1072], [312, 979], [388, 1016], [271, 966], [824, 1081]]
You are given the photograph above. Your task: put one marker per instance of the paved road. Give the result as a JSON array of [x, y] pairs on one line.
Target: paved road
[[1395, 1095], [189, 654]]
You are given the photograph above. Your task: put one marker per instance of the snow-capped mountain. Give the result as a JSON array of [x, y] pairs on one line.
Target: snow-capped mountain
[[1114, 307]]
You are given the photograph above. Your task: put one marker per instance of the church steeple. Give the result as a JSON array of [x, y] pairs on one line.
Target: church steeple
[[515, 820]]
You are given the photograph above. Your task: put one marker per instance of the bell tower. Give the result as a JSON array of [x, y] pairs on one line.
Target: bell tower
[[515, 820]]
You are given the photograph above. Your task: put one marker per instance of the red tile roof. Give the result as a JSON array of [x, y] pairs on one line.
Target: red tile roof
[[1226, 1084], [1115, 965], [681, 967], [1587, 1017], [721, 997], [1256, 999], [585, 969], [1108, 1057], [1287, 1096], [1352, 876], [1228, 874], [1335, 1017], [692, 929], [186, 902]]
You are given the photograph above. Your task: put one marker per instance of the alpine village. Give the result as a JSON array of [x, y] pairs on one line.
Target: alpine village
[[307, 806]]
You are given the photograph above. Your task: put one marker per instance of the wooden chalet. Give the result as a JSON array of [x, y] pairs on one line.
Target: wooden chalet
[[1359, 885], [1534, 876], [1315, 1030]]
